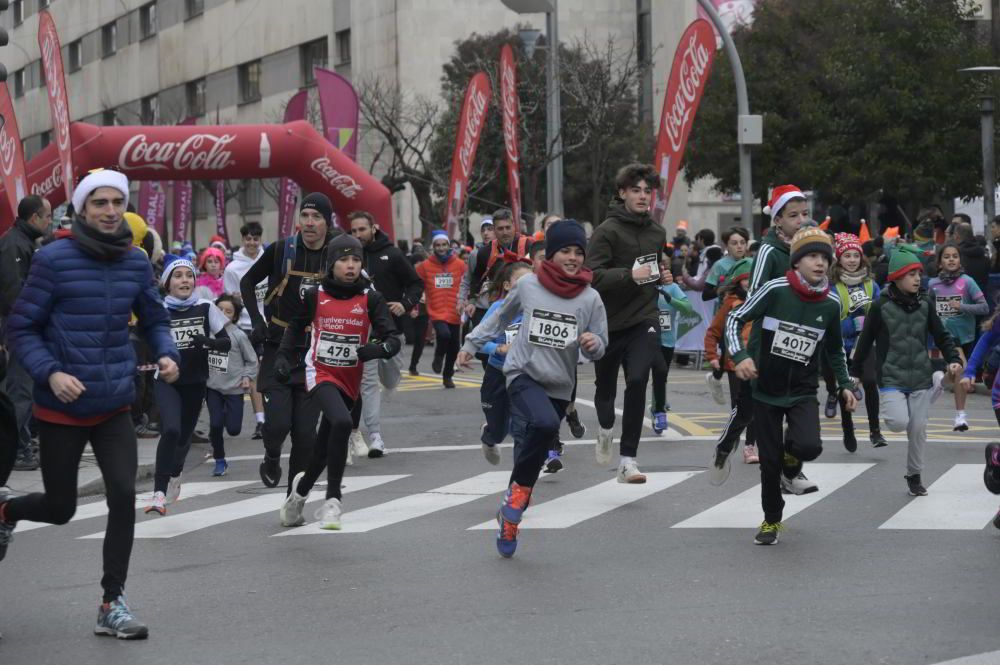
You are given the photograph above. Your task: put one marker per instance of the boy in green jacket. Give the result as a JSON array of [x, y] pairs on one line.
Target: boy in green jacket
[[795, 317], [899, 324]]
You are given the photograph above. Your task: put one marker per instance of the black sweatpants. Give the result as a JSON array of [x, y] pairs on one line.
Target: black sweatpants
[[534, 424], [224, 412], [419, 339], [661, 372], [803, 442], [635, 349], [61, 447], [740, 418], [329, 453], [8, 438], [180, 407], [496, 407], [447, 346]]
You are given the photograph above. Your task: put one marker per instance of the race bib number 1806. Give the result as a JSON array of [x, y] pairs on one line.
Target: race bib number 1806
[[336, 350], [794, 342], [552, 329]]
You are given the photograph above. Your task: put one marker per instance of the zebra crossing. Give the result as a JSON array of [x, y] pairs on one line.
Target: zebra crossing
[[957, 501]]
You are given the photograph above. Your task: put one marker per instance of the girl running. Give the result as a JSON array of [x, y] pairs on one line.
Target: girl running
[[212, 265], [562, 315], [957, 300], [230, 377], [349, 325], [671, 301], [193, 322]]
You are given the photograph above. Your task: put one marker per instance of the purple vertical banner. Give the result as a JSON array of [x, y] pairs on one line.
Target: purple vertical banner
[[160, 213], [288, 190], [152, 204], [183, 192], [220, 211], [339, 109]]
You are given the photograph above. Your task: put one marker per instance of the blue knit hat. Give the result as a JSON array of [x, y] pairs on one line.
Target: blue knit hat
[[564, 233], [439, 233], [170, 263]]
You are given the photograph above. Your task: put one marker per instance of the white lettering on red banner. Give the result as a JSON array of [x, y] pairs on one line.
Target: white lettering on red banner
[[476, 112], [345, 184], [53, 182], [197, 152], [57, 95], [692, 78]]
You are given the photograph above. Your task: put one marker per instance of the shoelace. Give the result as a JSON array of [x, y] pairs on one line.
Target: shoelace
[[518, 498], [768, 527], [118, 614], [508, 530]]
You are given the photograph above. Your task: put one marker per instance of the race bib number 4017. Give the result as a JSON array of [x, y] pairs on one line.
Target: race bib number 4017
[[336, 350], [794, 342], [552, 329]]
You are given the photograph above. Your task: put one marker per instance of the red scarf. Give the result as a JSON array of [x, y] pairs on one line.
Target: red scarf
[[803, 289], [555, 279]]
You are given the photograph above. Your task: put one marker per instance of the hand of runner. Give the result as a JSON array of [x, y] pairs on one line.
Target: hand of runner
[[955, 369], [746, 370], [502, 349], [589, 342], [967, 383], [397, 308], [470, 309], [65, 387], [169, 371], [245, 383], [643, 272], [465, 359], [850, 401], [714, 364]]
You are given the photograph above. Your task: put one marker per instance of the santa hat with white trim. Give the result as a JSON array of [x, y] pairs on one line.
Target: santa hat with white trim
[[781, 195]]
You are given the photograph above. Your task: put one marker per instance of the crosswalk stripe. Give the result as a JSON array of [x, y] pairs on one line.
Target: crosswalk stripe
[[956, 501], [100, 508], [182, 523], [743, 510], [414, 505], [571, 509]]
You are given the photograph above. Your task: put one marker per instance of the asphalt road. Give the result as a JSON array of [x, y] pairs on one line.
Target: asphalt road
[[665, 573]]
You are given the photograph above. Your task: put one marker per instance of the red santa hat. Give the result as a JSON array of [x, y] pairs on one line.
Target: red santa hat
[[780, 196]]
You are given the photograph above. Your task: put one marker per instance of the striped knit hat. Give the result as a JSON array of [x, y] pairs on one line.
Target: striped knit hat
[[807, 241]]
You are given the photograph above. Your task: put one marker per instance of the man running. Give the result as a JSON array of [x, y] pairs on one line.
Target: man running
[[243, 259], [472, 297], [72, 336], [290, 266], [624, 254]]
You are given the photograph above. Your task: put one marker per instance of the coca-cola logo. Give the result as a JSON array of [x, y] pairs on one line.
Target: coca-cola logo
[[475, 113], [197, 152], [509, 94], [8, 152], [691, 79], [52, 62], [345, 184], [53, 182]]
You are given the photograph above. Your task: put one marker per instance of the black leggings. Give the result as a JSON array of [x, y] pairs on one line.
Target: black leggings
[[660, 375], [419, 339], [635, 350], [330, 451], [61, 447], [447, 346], [180, 407], [871, 396]]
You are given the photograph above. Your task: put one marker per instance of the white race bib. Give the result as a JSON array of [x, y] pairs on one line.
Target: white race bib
[[510, 333], [858, 298], [794, 342], [185, 330], [260, 292], [665, 321], [218, 362], [943, 306], [648, 260], [443, 280], [336, 350], [552, 329]]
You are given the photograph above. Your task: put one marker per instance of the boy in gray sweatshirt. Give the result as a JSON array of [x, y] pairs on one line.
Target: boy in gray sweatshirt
[[561, 316]]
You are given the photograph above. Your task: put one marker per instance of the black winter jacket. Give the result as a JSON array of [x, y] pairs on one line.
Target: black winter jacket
[[391, 273]]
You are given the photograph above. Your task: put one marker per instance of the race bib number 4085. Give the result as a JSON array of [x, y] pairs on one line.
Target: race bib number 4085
[[185, 330], [552, 329], [794, 342], [336, 350]]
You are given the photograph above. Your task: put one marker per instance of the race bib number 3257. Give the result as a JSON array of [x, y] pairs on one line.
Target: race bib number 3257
[[552, 329]]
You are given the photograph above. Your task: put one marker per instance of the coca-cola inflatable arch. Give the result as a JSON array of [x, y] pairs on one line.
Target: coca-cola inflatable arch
[[205, 152]]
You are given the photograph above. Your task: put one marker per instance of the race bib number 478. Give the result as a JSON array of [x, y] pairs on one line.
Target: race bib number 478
[[552, 329], [336, 350]]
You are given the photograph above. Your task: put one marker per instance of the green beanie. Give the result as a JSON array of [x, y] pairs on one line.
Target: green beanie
[[739, 271], [904, 259]]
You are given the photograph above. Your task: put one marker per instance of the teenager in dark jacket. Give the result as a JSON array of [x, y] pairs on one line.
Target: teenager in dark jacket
[[72, 336]]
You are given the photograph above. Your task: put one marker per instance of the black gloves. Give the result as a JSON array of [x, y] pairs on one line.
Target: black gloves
[[212, 344], [282, 368], [259, 333], [371, 351]]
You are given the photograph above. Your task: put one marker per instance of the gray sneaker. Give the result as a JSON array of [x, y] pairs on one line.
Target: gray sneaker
[[291, 510], [117, 620]]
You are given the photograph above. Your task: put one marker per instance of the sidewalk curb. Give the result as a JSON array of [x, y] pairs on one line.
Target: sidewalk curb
[[96, 486]]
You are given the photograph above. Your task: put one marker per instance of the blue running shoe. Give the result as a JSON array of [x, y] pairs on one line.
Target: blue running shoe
[[221, 466], [506, 537], [659, 419], [515, 502], [116, 619], [553, 464]]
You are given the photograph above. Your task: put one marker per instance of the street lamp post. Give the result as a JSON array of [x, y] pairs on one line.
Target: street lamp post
[[989, 161]]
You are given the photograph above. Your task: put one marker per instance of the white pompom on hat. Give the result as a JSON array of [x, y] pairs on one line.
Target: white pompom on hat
[[781, 196], [94, 181]]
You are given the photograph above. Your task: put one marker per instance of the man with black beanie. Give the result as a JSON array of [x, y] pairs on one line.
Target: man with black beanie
[[290, 266]]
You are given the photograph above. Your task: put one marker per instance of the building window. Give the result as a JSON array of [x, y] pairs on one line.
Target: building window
[[343, 39], [19, 77], [109, 118], [250, 82], [147, 20], [313, 54], [109, 39], [75, 56], [196, 97], [18, 8], [46, 139], [250, 195], [149, 110], [193, 8]]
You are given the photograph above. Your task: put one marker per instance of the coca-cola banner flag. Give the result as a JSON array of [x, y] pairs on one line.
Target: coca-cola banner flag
[[288, 191], [55, 84], [688, 76], [338, 105], [12, 170], [470, 126], [509, 103], [220, 211]]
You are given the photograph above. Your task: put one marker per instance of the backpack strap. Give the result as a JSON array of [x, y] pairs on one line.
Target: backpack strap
[[285, 264]]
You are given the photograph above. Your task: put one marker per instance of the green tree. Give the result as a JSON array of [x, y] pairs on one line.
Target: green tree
[[858, 98]]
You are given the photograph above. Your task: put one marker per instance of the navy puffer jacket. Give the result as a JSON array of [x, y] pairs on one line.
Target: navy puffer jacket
[[72, 316]]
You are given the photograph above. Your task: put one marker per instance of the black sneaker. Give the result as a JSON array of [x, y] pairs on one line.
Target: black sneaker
[[436, 365], [996, 522], [991, 474], [553, 464], [916, 488], [258, 432], [198, 437], [6, 531], [850, 441], [26, 461], [831, 406], [878, 441], [768, 533], [448, 383], [576, 428], [270, 471], [414, 372]]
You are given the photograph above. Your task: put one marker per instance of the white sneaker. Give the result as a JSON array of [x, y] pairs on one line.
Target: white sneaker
[[291, 509], [628, 472], [157, 504], [715, 388], [798, 485], [357, 444], [173, 489], [602, 451], [961, 422], [492, 454], [350, 456], [377, 447], [938, 380], [329, 515]]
